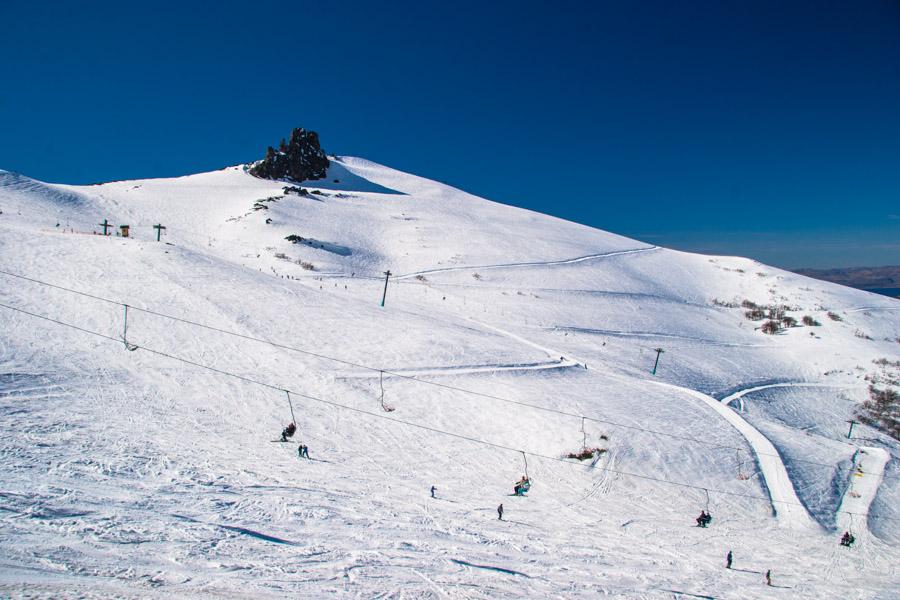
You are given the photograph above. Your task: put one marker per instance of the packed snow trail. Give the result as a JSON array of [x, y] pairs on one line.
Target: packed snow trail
[[785, 503], [467, 370], [739, 395], [866, 476], [568, 261]]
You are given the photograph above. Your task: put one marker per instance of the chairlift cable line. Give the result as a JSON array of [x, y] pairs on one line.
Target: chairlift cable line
[[409, 377], [428, 428]]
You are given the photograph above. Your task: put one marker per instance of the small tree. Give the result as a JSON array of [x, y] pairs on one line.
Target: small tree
[[834, 316], [789, 321], [755, 314], [771, 327], [810, 322]]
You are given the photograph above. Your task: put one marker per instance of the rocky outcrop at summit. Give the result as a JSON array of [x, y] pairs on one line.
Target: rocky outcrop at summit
[[300, 159]]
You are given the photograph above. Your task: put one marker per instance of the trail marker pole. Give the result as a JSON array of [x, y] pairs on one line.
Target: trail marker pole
[[158, 229], [105, 225], [387, 275], [852, 423], [656, 364]]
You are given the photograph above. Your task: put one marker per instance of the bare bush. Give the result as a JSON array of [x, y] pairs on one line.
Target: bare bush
[[809, 321], [771, 327], [834, 316], [882, 411]]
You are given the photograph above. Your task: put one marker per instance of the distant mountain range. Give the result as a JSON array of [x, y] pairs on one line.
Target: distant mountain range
[[881, 279]]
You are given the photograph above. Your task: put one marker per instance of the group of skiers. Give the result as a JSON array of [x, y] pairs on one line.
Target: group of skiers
[[704, 519], [729, 559], [524, 484]]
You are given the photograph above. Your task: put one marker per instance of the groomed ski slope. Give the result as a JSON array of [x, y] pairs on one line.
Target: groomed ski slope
[[153, 472]]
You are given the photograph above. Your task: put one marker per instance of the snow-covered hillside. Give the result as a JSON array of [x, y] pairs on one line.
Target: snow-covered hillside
[[508, 339]]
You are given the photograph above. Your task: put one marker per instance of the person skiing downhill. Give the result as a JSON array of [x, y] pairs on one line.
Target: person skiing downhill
[[303, 451], [728, 560], [500, 512], [433, 489]]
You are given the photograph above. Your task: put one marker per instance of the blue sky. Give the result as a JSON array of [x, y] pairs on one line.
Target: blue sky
[[765, 129]]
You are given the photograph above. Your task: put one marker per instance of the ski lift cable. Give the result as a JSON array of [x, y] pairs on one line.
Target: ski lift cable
[[428, 428], [409, 377]]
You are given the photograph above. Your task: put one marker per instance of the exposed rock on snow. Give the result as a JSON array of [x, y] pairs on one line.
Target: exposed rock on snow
[[300, 159]]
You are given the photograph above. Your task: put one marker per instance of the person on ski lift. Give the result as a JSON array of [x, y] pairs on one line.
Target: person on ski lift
[[704, 519], [521, 486], [288, 431], [848, 539]]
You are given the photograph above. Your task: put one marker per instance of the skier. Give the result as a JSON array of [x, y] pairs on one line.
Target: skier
[[848, 539], [728, 560], [433, 489], [500, 512], [707, 519], [769, 577], [304, 451]]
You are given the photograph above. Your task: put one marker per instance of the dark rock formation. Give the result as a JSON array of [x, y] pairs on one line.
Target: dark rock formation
[[300, 159]]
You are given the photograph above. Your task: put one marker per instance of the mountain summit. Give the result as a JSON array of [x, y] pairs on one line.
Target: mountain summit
[[300, 159]]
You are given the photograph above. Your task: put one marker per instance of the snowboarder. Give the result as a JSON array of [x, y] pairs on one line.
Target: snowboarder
[[769, 577], [848, 539], [500, 512], [728, 560], [433, 489], [288, 432]]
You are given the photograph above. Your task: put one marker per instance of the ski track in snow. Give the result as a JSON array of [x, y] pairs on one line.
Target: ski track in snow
[[865, 478], [467, 370], [568, 261], [739, 395]]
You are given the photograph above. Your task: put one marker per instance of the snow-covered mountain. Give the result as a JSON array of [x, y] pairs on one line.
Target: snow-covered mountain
[[157, 472]]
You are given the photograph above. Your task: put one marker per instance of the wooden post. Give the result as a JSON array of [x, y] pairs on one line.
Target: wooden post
[[852, 423], [387, 275], [158, 229], [106, 225], [658, 352]]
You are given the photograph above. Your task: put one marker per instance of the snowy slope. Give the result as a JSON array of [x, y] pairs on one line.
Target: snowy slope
[[152, 472]]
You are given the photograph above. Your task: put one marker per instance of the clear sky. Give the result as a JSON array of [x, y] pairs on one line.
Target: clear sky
[[768, 129]]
